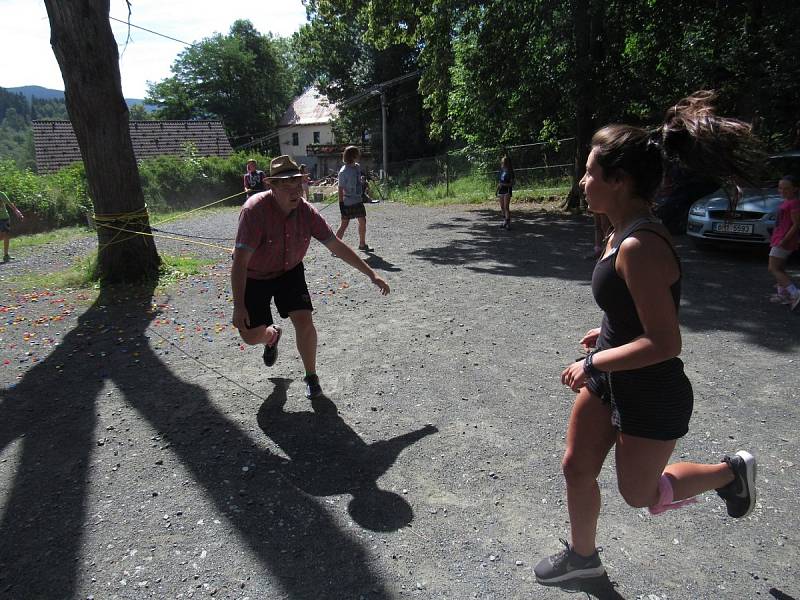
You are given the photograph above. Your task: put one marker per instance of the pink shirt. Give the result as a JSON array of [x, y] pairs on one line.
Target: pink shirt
[[278, 241], [784, 223]]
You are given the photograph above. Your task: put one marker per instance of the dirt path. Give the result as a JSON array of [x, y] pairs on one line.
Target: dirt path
[[144, 452]]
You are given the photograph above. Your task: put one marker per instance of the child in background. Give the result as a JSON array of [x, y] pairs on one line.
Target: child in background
[[254, 179], [306, 180], [5, 223], [505, 183], [351, 204], [785, 240]]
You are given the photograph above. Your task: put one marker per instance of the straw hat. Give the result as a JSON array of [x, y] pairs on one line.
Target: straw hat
[[283, 167]]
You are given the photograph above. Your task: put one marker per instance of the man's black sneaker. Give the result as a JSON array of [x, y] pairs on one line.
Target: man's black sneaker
[[365, 248], [6, 258], [271, 352], [568, 565], [313, 388], [740, 494]]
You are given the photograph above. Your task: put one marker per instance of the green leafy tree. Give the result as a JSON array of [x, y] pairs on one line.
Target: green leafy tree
[[336, 52], [138, 112], [241, 78]]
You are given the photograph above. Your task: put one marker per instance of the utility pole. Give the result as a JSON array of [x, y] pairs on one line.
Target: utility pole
[[385, 141], [380, 90]]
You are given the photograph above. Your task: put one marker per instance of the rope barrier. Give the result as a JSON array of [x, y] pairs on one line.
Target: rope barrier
[[172, 218], [197, 237], [142, 215], [169, 237], [201, 363]]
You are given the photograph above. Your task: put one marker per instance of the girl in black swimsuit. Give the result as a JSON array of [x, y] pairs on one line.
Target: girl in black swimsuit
[[633, 395]]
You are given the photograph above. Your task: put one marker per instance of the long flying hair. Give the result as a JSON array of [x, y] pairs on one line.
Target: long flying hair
[[692, 134]]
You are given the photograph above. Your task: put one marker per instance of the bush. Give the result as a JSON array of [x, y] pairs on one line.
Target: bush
[[174, 183], [52, 200], [168, 182]]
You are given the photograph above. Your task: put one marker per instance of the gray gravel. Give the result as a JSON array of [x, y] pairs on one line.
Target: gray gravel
[[145, 453]]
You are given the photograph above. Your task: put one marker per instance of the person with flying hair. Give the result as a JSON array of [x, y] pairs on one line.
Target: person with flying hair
[[632, 393]]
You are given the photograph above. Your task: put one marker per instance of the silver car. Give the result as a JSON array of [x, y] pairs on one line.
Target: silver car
[[711, 220]]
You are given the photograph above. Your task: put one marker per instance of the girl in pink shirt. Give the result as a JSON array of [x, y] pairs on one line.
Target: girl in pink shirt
[[785, 240]]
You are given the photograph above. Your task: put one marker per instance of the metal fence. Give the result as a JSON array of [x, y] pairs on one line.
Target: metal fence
[[534, 163]]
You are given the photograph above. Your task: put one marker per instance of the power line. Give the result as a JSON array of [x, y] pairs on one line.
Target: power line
[[129, 24]]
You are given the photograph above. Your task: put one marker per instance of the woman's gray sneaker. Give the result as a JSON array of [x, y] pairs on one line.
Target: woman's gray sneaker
[[740, 494], [567, 565]]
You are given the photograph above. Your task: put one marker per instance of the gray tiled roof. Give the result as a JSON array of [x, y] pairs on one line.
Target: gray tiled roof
[[56, 145]]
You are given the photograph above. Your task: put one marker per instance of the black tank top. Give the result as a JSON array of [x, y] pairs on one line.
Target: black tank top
[[620, 320]]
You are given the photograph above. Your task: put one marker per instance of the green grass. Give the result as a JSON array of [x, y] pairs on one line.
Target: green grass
[[63, 234], [82, 274], [27, 242], [176, 268], [475, 189]]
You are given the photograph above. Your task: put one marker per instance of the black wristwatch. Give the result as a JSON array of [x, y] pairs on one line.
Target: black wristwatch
[[588, 365]]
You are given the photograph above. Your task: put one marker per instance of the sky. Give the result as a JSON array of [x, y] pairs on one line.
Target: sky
[[26, 57]]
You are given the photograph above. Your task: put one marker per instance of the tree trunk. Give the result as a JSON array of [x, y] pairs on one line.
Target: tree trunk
[[584, 91], [86, 50], [753, 60]]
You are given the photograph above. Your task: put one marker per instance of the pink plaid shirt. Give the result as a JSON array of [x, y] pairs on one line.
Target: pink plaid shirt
[[278, 242]]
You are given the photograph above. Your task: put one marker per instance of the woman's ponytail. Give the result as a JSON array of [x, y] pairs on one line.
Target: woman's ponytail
[[719, 147]]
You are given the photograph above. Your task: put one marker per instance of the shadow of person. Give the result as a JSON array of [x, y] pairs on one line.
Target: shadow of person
[[601, 588], [378, 262], [50, 419], [327, 458]]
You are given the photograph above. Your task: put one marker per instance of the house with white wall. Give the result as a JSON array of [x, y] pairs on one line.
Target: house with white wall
[[307, 122]]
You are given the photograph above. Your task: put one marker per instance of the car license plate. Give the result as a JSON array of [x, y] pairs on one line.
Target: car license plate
[[733, 227]]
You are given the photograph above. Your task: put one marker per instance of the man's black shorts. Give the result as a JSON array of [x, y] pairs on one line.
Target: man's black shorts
[[289, 290]]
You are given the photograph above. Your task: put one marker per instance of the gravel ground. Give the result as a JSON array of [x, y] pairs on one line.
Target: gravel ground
[[145, 453]]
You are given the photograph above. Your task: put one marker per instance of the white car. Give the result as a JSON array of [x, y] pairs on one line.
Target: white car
[[711, 220]]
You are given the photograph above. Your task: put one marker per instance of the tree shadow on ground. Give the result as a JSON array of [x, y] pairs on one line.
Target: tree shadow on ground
[[779, 595], [52, 413], [327, 458], [723, 289]]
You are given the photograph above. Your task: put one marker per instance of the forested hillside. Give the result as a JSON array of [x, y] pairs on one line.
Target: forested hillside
[[16, 114]]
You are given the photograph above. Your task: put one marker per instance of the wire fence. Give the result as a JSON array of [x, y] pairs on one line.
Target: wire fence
[[535, 164]]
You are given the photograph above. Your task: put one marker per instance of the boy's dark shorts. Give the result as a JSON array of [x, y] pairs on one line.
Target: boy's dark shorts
[[353, 212], [653, 402], [5, 225], [289, 290]]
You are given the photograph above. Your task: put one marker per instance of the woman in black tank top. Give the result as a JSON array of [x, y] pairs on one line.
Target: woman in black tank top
[[632, 392]]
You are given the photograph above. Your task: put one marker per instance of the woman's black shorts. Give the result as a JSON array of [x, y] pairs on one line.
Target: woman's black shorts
[[503, 190], [353, 211], [653, 402], [289, 290]]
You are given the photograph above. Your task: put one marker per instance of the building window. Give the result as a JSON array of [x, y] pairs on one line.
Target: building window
[[316, 137], [295, 139]]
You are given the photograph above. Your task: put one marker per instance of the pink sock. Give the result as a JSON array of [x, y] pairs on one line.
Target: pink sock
[[665, 495]]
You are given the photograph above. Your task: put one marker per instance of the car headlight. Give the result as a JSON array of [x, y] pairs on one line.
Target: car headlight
[[698, 210], [772, 216]]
